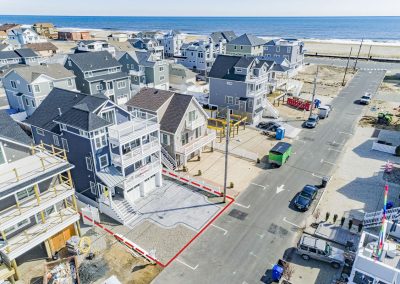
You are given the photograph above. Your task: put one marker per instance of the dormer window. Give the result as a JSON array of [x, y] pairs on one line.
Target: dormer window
[[239, 70]]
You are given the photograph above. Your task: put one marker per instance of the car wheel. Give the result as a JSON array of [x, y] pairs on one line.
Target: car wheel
[[305, 257], [335, 265]]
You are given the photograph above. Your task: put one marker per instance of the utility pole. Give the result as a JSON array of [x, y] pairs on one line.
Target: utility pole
[[369, 52], [347, 67], [358, 55], [314, 91], [227, 136]]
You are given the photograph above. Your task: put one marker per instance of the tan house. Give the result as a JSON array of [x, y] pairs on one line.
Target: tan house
[[46, 29], [43, 48], [4, 29], [83, 35]]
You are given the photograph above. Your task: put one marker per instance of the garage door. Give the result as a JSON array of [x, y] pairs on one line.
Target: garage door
[[134, 193], [149, 184], [122, 99]]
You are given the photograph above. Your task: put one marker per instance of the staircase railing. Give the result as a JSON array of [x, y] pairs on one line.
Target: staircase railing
[[374, 219], [274, 112], [167, 160]]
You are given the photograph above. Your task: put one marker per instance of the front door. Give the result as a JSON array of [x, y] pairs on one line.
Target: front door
[[110, 86]]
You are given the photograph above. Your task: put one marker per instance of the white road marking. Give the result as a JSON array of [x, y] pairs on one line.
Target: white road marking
[[347, 133], [261, 236], [326, 162], [222, 229], [187, 265], [281, 188], [252, 254], [259, 185], [318, 176], [241, 205], [294, 225], [330, 149]]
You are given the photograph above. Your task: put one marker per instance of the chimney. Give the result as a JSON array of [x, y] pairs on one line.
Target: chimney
[[59, 112]]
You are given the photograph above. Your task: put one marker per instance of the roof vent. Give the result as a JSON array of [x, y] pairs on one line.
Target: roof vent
[[59, 112]]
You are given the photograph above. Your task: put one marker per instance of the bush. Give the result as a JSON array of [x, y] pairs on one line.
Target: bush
[[184, 168], [397, 151], [231, 184], [199, 173], [350, 224], [335, 218], [327, 216], [342, 221]]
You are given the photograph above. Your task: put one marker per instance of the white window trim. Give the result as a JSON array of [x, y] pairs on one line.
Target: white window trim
[[16, 227], [101, 166], [119, 85], [93, 187], [34, 88], [89, 164], [56, 140], [65, 144], [15, 84], [39, 131]]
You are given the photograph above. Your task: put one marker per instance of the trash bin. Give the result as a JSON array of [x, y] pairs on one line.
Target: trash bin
[[324, 182], [277, 272], [280, 133]]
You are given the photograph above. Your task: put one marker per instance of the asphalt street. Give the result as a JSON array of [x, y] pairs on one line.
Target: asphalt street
[[256, 231]]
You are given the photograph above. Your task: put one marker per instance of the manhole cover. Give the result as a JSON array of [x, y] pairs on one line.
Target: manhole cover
[[238, 214], [277, 230]]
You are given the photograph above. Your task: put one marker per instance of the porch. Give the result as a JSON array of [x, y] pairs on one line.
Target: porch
[[197, 145]]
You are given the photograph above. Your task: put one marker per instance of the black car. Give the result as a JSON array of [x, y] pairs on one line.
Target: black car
[[312, 121], [270, 126], [305, 198]]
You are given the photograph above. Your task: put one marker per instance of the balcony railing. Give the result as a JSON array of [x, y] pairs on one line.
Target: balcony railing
[[189, 148], [142, 173], [136, 154], [192, 125]]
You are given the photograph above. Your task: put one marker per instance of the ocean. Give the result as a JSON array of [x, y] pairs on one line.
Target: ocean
[[384, 29]]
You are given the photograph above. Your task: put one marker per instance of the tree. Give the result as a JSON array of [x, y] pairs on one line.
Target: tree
[[316, 215], [288, 271]]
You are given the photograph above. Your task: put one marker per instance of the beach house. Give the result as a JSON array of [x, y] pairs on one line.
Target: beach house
[[18, 37], [172, 42], [73, 36], [246, 45], [290, 49], [45, 49], [100, 73], [6, 47], [46, 29], [38, 210], [5, 28], [183, 124], [242, 84], [116, 153], [149, 44], [220, 39], [145, 69], [180, 77], [197, 55], [26, 87], [19, 56], [95, 45]]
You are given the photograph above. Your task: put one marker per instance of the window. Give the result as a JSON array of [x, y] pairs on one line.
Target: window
[[51, 85], [13, 84], [192, 115], [266, 48], [36, 88], [33, 103], [18, 226], [109, 116], [89, 74], [312, 250], [235, 47], [29, 89], [99, 87], [241, 47], [27, 101], [69, 82], [165, 139], [63, 127], [89, 164], [83, 133], [103, 161], [39, 131], [69, 63], [236, 101], [197, 132], [121, 84], [162, 78], [250, 104], [268, 55], [93, 188], [229, 83], [185, 138], [278, 49], [65, 144], [100, 141], [229, 99], [161, 68], [289, 49], [56, 141], [25, 193]]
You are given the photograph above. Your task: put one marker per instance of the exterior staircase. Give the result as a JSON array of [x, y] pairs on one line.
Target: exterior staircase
[[125, 210], [374, 219], [167, 160], [270, 110]]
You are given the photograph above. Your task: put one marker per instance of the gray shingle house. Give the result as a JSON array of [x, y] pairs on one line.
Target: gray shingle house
[[290, 49], [152, 45], [246, 45], [19, 56], [183, 124], [100, 73], [144, 69], [220, 39], [198, 56], [26, 87], [242, 84]]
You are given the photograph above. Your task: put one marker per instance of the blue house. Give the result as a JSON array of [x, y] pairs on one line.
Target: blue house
[[116, 153]]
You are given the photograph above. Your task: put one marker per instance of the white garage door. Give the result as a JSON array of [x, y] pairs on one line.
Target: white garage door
[[134, 193], [122, 99], [149, 184]]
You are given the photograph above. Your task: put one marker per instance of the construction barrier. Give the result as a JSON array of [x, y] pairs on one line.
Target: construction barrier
[[193, 182], [299, 103]]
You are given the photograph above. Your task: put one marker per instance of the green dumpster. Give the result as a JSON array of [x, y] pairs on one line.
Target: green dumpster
[[279, 154]]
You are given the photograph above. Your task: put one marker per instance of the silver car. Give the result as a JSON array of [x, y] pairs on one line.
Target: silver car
[[310, 247]]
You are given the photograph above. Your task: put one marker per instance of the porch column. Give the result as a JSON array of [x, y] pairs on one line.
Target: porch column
[[159, 179], [141, 187], [15, 267], [48, 249], [109, 195], [77, 227]]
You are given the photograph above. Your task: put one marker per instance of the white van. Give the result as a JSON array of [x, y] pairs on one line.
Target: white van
[[323, 111]]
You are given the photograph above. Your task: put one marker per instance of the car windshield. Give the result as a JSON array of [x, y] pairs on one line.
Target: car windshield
[[303, 200], [365, 97], [328, 249], [312, 119], [306, 194]]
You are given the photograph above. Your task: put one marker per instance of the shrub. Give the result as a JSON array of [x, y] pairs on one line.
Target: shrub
[[350, 224], [327, 216], [199, 173], [231, 184], [184, 168], [342, 221], [335, 218]]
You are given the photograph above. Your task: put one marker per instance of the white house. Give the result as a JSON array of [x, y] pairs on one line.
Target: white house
[[95, 45], [173, 41], [198, 56], [21, 36]]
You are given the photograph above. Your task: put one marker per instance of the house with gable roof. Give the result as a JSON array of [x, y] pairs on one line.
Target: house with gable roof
[[246, 45]]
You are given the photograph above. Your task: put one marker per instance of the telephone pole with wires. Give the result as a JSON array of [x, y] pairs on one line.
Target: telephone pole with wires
[[227, 137], [314, 91]]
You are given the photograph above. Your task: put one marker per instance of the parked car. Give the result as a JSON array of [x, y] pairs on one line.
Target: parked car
[[366, 99], [279, 154], [323, 111], [312, 121], [270, 126], [310, 247], [305, 198]]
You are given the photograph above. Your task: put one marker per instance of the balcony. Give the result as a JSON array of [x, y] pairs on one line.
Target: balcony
[[37, 234], [139, 126], [192, 125], [108, 93], [197, 144], [139, 175], [136, 154], [32, 205]]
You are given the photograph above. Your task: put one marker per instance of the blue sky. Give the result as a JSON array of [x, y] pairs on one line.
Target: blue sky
[[202, 7]]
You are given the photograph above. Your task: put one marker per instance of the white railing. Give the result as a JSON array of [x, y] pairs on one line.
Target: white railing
[[167, 160], [191, 147], [373, 219], [142, 173], [271, 109], [131, 130], [136, 154]]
